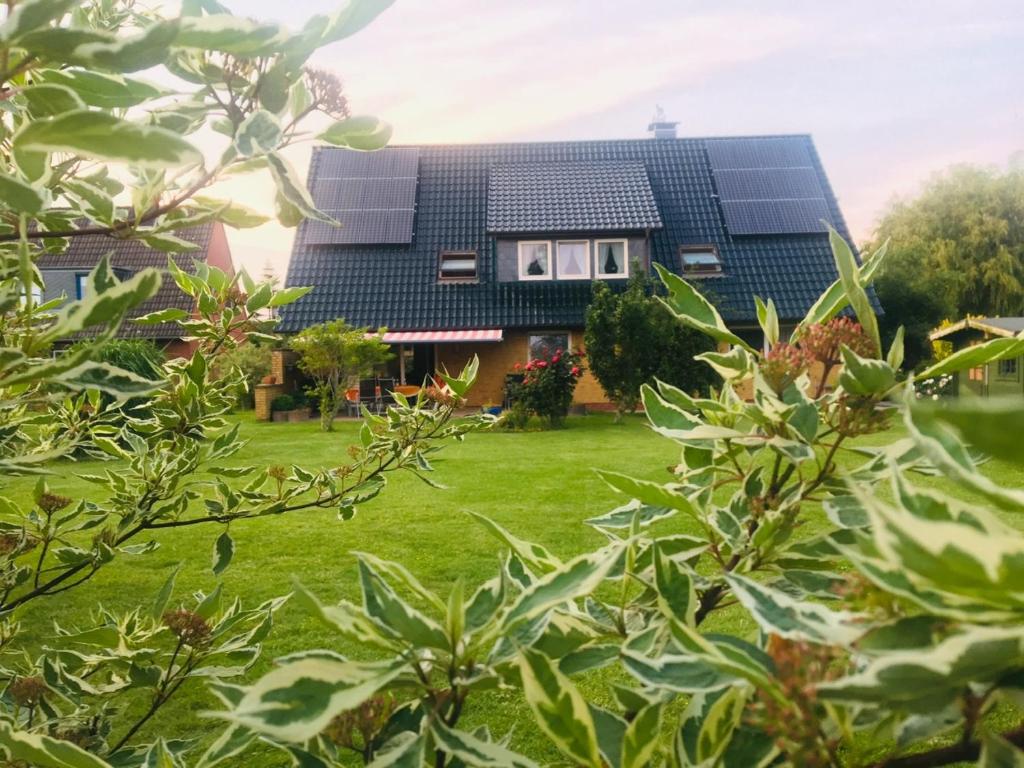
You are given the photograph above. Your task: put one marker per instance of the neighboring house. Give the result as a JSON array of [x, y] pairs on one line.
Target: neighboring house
[[1002, 377], [491, 248], [66, 274]]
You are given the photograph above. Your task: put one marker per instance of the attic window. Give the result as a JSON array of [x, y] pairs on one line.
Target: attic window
[[457, 267], [612, 258], [535, 260], [573, 259], [700, 260]]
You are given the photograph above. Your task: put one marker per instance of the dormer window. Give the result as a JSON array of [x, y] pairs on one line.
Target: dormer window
[[612, 259], [573, 260], [457, 267], [535, 260], [700, 260]]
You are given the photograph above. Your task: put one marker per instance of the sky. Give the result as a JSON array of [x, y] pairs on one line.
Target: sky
[[892, 91]]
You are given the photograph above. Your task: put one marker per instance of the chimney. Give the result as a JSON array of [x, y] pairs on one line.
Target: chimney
[[659, 127]]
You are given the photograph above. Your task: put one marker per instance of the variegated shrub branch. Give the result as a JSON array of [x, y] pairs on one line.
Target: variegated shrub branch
[[875, 621]]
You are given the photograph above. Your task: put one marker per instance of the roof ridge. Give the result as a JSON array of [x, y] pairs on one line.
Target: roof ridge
[[623, 140]]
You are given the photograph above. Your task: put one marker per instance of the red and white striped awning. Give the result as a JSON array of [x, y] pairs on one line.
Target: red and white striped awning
[[442, 337]]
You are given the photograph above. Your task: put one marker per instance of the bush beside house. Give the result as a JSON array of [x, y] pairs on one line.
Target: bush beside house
[[547, 386]]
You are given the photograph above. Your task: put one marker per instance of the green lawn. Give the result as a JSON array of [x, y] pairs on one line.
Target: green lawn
[[540, 485]]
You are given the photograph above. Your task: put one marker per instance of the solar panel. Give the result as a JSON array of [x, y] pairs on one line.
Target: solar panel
[[781, 152], [372, 195], [768, 186], [775, 217]]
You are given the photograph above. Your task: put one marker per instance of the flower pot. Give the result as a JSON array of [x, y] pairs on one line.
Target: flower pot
[[299, 414], [279, 415], [268, 380], [494, 410]]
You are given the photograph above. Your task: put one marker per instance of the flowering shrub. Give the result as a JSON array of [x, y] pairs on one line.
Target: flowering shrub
[[934, 388], [548, 384]]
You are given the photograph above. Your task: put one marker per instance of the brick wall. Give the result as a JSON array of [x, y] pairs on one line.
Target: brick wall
[[180, 348], [498, 359], [263, 394]]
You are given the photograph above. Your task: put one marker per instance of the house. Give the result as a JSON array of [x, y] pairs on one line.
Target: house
[[65, 274], [1002, 377], [491, 248]]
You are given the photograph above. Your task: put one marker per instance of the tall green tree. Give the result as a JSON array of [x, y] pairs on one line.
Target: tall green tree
[[955, 249], [334, 355], [631, 339]]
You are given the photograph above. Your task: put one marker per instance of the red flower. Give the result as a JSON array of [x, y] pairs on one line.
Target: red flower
[[558, 352], [576, 370], [542, 364], [555, 359], [517, 366]]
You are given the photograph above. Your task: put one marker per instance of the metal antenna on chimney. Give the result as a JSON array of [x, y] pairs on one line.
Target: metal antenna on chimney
[[660, 127]]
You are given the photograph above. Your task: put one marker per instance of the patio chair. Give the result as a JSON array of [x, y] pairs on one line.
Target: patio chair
[[352, 401], [368, 395], [386, 387]]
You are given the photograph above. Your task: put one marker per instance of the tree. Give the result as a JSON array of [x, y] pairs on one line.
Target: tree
[[679, 348], [335, 355], [955, 249], [916, 302], [631, 339], [253, 360]]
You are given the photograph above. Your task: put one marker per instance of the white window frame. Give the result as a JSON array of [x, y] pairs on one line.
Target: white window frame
[[586, 260], [601, 274], [523, 274], [553, 332]]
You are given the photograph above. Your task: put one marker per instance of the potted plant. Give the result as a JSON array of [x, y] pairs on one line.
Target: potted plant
[[300, 407], [491, 408], [281, 407]]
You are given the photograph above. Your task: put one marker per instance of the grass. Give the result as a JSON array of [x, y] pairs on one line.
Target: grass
[[541, 486]]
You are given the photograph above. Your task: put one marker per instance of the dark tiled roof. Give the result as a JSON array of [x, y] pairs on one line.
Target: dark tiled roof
[[570, 197], [1009, 324], [397, 286], [132, 256]]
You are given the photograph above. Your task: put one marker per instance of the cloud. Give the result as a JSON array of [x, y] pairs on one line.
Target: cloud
[[484, 75]]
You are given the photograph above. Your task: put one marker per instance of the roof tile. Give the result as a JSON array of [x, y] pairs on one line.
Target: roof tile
[[396, 285]]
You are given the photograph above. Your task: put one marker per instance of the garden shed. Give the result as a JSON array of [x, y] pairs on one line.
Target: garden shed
[[1002, 377]]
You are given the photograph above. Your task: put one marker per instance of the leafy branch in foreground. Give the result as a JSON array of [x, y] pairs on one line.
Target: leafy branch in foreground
[[174, 470], [83, 136], [885, 617]]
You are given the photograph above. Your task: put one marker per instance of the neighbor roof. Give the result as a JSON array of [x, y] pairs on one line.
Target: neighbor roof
[[133, 256], [996, 326], [461, 202]]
